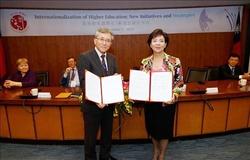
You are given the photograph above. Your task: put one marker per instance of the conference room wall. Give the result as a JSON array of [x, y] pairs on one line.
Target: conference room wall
[[49, 53]]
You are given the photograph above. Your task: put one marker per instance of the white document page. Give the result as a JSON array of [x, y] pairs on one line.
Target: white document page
[[161, 86], [92, 87], [139, 85], [112, 90]]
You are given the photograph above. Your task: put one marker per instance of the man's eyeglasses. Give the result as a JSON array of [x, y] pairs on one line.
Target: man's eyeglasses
[[104, 40]]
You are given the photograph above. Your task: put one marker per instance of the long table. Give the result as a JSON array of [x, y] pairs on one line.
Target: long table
[[61, 119]]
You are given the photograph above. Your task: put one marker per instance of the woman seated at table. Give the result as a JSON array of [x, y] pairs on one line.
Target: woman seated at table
[[23, 77]]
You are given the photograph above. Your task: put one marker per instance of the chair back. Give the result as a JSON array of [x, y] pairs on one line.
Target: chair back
[[42, 78], [213, 73], [195, 74]]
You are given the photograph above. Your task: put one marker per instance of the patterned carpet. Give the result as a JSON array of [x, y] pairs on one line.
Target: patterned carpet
[[226, 147]]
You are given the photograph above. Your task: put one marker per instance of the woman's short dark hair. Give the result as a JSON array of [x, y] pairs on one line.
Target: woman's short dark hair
[[158, 32]]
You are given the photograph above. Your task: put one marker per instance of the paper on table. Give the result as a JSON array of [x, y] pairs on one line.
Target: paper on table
[[44, 95], [63, 95], [105, 90], [154, 86]]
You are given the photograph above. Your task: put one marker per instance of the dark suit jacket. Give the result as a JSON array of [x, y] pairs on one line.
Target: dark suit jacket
[[91, 62], [226, 73], [29, 80], [65, 80]]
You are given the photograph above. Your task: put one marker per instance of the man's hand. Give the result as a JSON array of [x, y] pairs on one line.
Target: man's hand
[[246, 76], [67, 70], [100, 105]]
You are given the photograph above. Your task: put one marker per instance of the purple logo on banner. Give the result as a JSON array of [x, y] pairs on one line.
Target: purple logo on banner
[[204, 21]]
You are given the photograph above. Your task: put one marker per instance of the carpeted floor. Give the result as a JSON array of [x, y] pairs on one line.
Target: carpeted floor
[[226, 147]]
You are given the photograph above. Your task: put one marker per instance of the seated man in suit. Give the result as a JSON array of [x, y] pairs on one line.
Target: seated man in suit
[[232, 70], [71, 76]]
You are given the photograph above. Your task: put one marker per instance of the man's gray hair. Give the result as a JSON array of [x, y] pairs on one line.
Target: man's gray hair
[[104, 30]]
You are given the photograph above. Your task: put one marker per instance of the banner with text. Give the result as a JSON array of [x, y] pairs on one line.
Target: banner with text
[[26, 22]]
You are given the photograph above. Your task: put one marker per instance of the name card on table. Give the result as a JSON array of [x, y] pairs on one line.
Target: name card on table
[[44, 95], [212, 90]]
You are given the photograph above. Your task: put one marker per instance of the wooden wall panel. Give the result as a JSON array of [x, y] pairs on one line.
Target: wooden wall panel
[[249, 119], [49, 53], [115, 131], [134, 126], [48, 123], [73, 126], [215, 120], [238, 115], [189, 119], [4, 127], [21, 122]]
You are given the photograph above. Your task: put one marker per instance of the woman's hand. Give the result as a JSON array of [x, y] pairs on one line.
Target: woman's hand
[[7, 84], [10, 83], [246, 76], [173, 100]]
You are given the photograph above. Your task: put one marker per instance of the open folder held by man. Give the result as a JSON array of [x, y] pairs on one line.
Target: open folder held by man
[[104, 90]]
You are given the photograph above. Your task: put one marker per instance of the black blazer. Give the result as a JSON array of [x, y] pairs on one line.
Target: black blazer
[[226, 73], [91, 62]]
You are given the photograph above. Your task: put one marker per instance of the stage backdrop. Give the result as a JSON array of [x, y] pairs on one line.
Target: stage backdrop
[[198, 36]]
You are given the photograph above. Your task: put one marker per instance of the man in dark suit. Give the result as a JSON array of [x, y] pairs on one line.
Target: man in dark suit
[[71, 76], [232, 70], [101, 63]]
